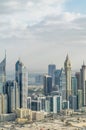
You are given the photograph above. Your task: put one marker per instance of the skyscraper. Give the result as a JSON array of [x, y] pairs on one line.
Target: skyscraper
[[67, 67], [2, 74], [83, 83], [22, 80], [60, 80], [51, 71], [47, 85], [12, 90]]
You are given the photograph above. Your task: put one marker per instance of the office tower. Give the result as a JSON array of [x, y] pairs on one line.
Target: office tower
[[78, 80], [47, 106], [60, 81], [22, 80], [12, 90], [29, 102], [4, 104], [79, 98], [2, 74], [83, 83], [67, 67], [42, 99], [74, 86], [65, 105], [57, 104], [35, 105], [73, 102], [51, 70], [47, 85], [50, 102]]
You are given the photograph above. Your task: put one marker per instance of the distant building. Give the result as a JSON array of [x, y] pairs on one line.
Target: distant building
[[73, 102], [42, 99], [22, 80], [47, 85], [3, 104], [79, 98], [51, 71], [83, 83], [2, 74], [74, 86], [67, 67], [36, 105], [11, 88], [65, 105], [29, 102], [77, 74], [60, 80], [57, 104]]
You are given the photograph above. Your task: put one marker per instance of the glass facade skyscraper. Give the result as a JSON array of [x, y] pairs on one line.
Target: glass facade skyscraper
[[22, 80], [2, 74]]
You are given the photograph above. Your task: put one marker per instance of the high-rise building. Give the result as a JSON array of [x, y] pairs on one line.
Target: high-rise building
[[83, 83], [22, 80], [12, 90], [78, 80], [51, 71], [67, 67], [2, 74], [3, 104], [74, 85], [60, 81], [79, 98], [73, 102], [57, 104], [47, 85]]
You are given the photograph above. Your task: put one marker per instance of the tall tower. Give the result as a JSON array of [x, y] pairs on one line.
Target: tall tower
[[2, 74], [67, 67], [47, 85], [83, 83], [22, 80], [51, 72]]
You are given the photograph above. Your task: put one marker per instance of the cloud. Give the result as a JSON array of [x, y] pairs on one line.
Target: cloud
[[41, 31]]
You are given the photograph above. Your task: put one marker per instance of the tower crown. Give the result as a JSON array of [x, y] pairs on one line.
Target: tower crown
[[67, 62]]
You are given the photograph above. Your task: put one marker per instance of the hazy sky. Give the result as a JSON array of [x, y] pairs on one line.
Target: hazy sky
[[41, 32]]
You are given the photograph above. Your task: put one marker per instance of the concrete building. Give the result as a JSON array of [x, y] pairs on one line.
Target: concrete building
[[37, 115], [67, 67], [24, 113], [22, 80], [79, 98], [47, 85], [3, 104]]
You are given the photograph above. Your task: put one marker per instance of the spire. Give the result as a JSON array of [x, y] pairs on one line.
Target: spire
[[83, 63], [67, 57], [5, 54]]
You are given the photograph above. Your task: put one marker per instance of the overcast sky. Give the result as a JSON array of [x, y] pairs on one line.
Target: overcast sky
[[41, 32]]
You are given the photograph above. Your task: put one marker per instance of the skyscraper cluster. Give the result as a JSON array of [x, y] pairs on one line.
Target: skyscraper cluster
[[61, 89], [13, 94]]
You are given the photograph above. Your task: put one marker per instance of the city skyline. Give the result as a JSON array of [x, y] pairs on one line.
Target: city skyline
[[40, 32]]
